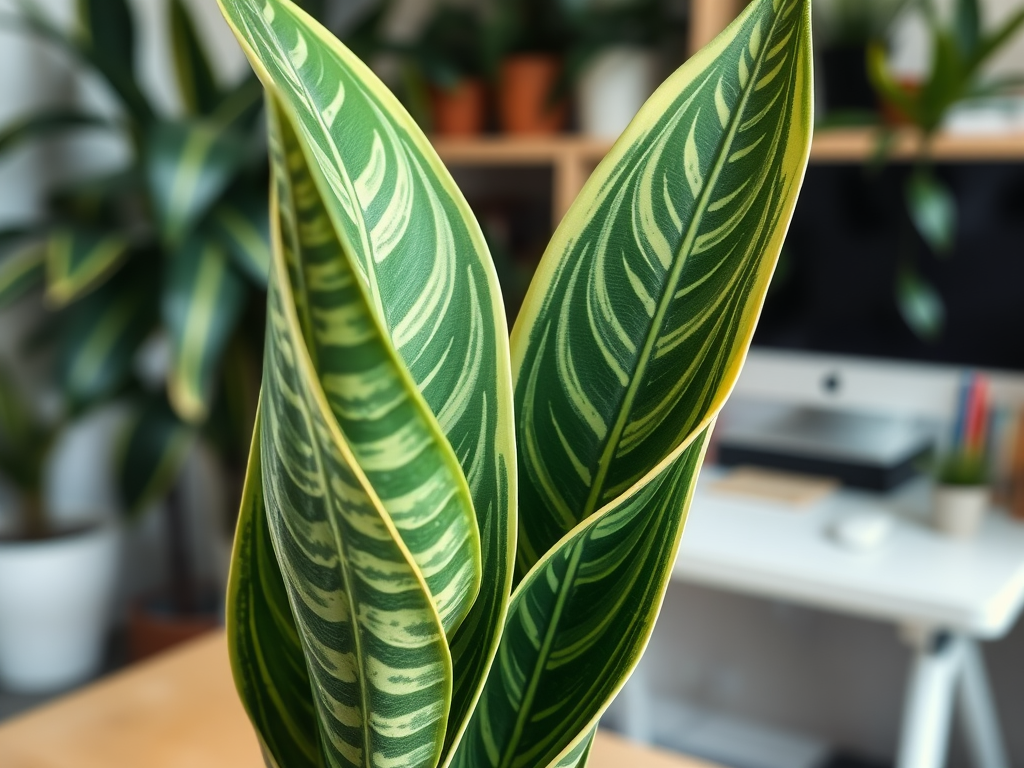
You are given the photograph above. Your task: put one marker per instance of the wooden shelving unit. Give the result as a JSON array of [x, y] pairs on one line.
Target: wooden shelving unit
[[572, 158]]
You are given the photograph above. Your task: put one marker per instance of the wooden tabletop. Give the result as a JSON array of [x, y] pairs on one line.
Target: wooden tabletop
[[180, 711]]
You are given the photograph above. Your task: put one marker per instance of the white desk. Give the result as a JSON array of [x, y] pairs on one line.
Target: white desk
[[943, 594]]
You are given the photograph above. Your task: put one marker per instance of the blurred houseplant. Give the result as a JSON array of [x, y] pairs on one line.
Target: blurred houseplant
[[960, 49], [402, 441], [56, 578], [169, 249]]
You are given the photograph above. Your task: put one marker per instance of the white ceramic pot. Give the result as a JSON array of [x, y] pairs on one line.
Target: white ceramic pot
[[613, 87], [957, 510], [55, 601]]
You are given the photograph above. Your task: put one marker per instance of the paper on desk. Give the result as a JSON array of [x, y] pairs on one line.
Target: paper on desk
[[788, 488]]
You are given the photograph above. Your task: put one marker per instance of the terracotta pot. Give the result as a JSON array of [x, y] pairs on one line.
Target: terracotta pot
[[524, 93], [153, 627], [459, 111]]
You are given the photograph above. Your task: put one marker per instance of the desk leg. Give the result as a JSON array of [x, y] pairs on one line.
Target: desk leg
[[978, 713], [927, 708]]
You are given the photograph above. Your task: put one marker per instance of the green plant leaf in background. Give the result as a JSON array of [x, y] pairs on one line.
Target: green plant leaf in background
[[20, 272], [77, 261], [47, 123], [421, 252], [101, 336], [203, 298], [240, 223], [188, 166], [267, 660], [196, 82], [154, 448], [646, 300], [920, 304], [933, 211], [107, 30]]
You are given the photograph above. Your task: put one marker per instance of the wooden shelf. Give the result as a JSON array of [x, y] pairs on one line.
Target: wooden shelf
[[856, 145]]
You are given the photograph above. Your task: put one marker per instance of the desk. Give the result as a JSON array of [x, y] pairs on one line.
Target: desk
[[180, 710], [944, 595]]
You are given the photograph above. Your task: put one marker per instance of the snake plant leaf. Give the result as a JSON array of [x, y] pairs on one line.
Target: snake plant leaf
[[373, 641], [202, 299], [189, 164], [79, 260], [20, 272], [196, 82], [241, 224], [154, 448], [421, 252], [47, 123], [266, 659], [107, 29], [101, 336], [640, 316], [392, 433], [577, 754], [579, 622]]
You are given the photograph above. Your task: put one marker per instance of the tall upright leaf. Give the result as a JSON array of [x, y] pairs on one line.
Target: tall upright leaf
[[643, 307], [108, 30], [422, 255], [196, 82]]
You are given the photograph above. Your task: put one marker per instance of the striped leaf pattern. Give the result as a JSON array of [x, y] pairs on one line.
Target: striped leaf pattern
[[644, 305], [196, 83], [389, 428], [77, 261], [373, 642], [202, 300], [267, 659], [422, 254], [579, 622]]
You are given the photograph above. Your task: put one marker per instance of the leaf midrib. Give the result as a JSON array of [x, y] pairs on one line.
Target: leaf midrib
[[668, 291]]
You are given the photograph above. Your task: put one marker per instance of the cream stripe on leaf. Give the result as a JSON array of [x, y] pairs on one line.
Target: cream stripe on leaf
[[579, 622], [646, 299], [77, 261], [188, 165], [422, 256], [373, 643], [384, 419], [266, 657], [202, 299]]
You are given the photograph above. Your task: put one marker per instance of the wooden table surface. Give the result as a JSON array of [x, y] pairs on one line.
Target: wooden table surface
[[180, 711]]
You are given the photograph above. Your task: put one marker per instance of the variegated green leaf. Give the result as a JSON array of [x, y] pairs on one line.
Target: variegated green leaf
[[196, 82], [202, 300], [78, 261], [20, 272], [579, 622], [384, 419], [241, 224], [642, 310], [577, 754], [101, 336], [266, 658], [373, 642], [188, 166], [423, 256], [44, 124], [153, 451]]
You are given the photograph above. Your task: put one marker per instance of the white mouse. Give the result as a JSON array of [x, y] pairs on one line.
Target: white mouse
[[862, 531]]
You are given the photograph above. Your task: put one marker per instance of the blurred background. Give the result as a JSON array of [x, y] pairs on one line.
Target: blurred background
[[829, 597]]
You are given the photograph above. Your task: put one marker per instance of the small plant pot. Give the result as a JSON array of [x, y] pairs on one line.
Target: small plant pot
[[613, 87], [524, 96], [459, 111], [55, 603], [957, 510]]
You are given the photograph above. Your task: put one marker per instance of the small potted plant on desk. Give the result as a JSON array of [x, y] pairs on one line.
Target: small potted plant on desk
[[56, 579], [962, 492]]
